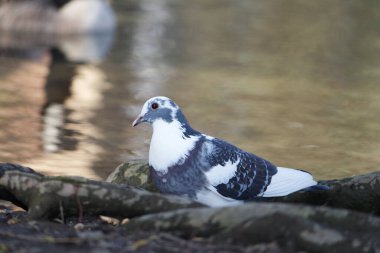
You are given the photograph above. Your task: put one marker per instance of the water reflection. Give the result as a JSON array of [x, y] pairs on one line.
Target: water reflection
[[150, 47], [39, 134], [57, 91], [295, 82]]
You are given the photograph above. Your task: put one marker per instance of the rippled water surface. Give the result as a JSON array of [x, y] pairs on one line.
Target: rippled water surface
[[296, 82]]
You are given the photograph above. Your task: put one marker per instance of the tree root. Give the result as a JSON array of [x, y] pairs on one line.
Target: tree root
[[293, 227], [49, 197]]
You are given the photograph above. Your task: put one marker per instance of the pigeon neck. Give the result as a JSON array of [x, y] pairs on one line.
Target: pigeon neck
[[171, 142], [180, 128], [185, 126]]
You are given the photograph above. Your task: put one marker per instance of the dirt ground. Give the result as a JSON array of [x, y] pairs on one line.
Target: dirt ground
[[93, 234]]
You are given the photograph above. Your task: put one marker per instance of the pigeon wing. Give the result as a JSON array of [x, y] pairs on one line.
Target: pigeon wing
[[237, 174]]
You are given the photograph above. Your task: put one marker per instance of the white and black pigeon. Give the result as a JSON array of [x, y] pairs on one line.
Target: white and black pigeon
[[209, 170]]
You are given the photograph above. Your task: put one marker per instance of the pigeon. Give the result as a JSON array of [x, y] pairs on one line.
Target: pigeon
[[209, 170]]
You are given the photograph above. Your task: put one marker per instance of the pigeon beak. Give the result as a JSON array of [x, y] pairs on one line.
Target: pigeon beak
[[140, 119]]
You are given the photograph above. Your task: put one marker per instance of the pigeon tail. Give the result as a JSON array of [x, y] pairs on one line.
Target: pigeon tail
[[287, 181]]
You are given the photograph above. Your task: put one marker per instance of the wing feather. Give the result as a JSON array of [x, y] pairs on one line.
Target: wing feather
[[238, 174]]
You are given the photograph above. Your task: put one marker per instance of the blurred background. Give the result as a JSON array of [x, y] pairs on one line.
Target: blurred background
[[296, 82]]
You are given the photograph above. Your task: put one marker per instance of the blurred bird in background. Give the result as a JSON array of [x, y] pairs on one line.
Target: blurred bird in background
[[56, 16]]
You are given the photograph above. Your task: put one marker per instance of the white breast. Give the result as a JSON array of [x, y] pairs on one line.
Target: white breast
[[168, 146]]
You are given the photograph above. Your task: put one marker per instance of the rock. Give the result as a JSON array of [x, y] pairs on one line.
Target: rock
[[133, 173]]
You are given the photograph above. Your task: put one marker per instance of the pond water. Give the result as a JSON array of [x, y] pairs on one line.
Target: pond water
[[296, 82]]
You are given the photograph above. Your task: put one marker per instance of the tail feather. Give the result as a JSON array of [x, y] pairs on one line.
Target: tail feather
[[287, 181]]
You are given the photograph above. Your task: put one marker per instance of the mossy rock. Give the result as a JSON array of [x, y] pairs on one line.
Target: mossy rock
[[133, 173]]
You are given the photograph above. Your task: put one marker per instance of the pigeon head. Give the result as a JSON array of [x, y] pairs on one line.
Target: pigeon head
[[159, 108]]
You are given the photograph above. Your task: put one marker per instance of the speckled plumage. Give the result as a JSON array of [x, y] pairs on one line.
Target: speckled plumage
[[186, 162], [253, 174]]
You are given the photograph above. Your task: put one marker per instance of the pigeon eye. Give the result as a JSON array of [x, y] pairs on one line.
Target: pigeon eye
[[154, 106]]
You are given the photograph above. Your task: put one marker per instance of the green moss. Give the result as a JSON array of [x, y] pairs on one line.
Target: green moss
[[3, 248], [133, 173], [134, 181]]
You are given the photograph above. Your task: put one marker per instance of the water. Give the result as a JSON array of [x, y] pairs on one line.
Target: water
[[295, 82]]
